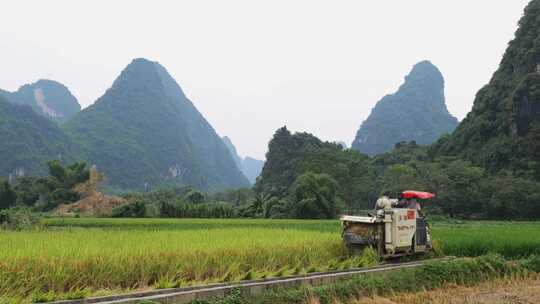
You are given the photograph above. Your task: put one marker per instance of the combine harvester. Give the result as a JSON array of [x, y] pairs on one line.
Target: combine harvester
[[397, 229]]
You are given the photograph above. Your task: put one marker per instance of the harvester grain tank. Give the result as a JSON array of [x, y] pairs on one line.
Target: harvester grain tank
[[396, 229]]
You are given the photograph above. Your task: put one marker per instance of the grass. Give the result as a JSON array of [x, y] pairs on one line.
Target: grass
[[79, 257]]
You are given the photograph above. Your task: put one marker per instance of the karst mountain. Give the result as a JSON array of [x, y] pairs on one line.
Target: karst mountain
[[47, 97], [416, 112]]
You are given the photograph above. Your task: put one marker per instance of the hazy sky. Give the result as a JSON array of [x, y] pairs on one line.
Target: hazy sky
[[253, 66]]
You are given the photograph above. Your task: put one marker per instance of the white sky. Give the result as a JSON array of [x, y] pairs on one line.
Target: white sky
[[253, 66]]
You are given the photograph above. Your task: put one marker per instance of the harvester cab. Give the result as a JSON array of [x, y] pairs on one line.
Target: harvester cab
[[397, 228]]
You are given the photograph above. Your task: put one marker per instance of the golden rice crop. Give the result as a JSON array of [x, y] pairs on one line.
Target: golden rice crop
[[123, 257]]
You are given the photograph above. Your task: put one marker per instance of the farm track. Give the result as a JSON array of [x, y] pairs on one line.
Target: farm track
[[253, 287]]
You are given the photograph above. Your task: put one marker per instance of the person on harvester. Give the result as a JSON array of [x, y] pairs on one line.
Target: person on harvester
[[385, 202], [409, 203], [402, 202]]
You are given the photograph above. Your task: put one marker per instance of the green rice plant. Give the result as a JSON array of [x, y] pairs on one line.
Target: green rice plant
[[532, 263], [332, 265], [283, 271], [510, 239], [298, 269], [247, 276], [312, 269], [346, 264], [76, 294], [42, 297], [437, 248], [369, 257], [167, 282]]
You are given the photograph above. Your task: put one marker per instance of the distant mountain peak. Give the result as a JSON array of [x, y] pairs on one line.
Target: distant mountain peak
[[425, 79], [47, 97], [417, 111], [144, 75], [141, 63], [425, 72], [144, 132], [142, 60]]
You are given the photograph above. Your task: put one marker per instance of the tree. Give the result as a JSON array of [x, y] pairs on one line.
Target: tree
[[351, 170], [258, 207], [512, 198], [275, 208], [462, 195], [28, 190], [194, 197], [57, 171], [71, 175], [397, 178], [284, 158], [236, 196], [8, 197], [135, 209], [314, 196]]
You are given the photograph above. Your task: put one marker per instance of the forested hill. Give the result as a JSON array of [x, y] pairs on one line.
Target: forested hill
[[29, 140], [290, 156], [416, 112], [503, 129], [305, 177], [145, 132], [47, 97]]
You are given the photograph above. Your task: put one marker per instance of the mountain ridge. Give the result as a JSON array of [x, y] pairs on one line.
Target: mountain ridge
[[149, 133], [234, 153], [502, 130], [47, 97]]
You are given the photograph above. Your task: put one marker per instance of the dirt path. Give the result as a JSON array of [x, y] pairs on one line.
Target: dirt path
[[518, 291]]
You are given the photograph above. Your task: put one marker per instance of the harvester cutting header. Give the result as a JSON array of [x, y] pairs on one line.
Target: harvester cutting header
[[396, 229]]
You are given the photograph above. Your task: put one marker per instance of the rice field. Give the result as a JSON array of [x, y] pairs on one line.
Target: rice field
[[73, 258], [99, 256], [513, 240]]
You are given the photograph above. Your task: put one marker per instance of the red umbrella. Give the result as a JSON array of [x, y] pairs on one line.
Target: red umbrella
[[417, 194]]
